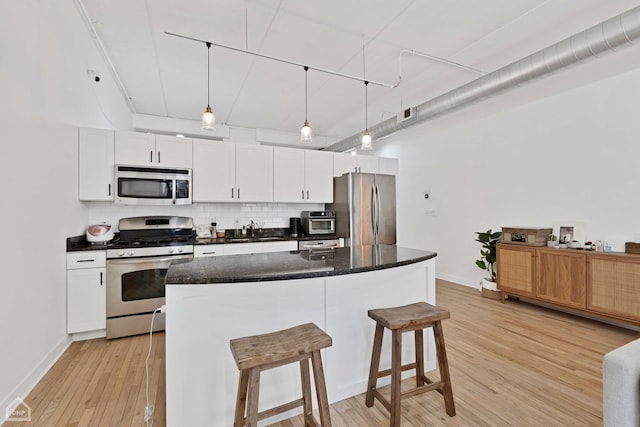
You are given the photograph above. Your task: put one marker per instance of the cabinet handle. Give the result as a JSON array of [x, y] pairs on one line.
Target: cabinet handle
[[302, 194], [158, 157], [101, 281], [307, 194], [232, 192], [238, 194], [85, 260], [151, 156], [209, 253], [109, 189]]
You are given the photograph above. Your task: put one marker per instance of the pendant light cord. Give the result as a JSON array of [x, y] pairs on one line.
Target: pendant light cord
[[306, 69], [208, 73], [366, 105]]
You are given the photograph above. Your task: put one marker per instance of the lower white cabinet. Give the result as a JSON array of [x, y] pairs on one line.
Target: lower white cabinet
[[200, 251], [86, 291]]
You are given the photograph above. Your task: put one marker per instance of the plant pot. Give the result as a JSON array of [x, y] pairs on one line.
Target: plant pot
[[489, 285], [551, 243]]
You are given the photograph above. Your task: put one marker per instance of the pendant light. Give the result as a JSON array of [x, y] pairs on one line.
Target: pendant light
[[366, 138], [305, 132], [208, 119]]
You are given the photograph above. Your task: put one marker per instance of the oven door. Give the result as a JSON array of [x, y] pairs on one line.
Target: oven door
[[136, 285], [321, 226]]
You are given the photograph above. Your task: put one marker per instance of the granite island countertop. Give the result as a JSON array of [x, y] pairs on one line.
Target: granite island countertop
[[293, 265]]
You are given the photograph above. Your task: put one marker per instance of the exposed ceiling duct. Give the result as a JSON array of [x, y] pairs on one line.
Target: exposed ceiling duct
[[605, 37]]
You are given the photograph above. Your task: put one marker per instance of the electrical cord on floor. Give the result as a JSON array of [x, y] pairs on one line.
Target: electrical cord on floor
[[148, 409]]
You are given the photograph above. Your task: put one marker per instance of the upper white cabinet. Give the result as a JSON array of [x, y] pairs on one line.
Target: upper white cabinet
[[228, 172], [344, 163], [145, 149], [95, 164], [388, 166], [302, 175]]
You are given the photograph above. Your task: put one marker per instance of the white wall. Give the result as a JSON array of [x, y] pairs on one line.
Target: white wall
[[46, 95], [572, 156]]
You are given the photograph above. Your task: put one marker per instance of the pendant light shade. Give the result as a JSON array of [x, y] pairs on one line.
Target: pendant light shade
[[305, 131], [208, 118], [366, 138]]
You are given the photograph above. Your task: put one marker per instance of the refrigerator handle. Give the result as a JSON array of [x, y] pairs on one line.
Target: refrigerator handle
[[373, 211], [377, 212]]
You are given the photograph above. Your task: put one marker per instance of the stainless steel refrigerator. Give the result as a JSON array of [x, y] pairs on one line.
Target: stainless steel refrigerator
[[365, 207]]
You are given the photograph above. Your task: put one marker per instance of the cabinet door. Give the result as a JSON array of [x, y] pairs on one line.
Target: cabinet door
[[254, 173], [174, 152], [388, 166], [86, 300], [562, 277], [318, 176], [368, 164], [289, 175], [95, 164], [202, 251], [614, 286], [515, 269], [344, 163], [135, 148], [214, 171], [290, 245], [242, 248]]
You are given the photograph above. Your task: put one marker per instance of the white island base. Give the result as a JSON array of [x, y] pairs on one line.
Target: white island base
[[201, 375]]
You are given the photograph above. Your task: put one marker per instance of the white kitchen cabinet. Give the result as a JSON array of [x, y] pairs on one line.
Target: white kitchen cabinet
[[228, 172], [344, 163], [250, 248], [202, 251], [95, 164], [254, 173], [214, 171], [388, 166], [145, 149], [86, 291], [242, 248], [302, 176]]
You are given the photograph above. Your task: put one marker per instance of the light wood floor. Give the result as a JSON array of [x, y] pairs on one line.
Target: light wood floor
[[511, 364]]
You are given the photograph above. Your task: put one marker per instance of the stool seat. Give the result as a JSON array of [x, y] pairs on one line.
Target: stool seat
[[275, 347], [412, 317], [254, 354], [409, 316]]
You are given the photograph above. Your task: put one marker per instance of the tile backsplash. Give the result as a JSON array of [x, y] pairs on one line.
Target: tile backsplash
[[270, 215]]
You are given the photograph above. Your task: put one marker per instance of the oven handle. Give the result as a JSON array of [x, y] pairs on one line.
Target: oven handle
[[147, 259]]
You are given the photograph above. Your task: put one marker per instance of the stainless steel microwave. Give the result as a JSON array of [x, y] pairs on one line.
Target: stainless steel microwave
[[137, 185], [318, 222]]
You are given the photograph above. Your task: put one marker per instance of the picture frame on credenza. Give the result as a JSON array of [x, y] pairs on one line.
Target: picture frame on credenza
[[568, 231]]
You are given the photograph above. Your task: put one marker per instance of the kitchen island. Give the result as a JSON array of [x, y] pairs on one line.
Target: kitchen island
[[212, 300]]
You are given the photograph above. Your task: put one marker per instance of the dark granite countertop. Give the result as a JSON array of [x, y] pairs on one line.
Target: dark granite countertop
[[293, 264], [79, 243]]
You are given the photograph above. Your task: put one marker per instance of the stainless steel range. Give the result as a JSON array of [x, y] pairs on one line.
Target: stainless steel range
[[137, 264]]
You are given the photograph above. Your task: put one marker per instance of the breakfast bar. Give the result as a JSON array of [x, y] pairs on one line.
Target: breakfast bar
[[210, 301]]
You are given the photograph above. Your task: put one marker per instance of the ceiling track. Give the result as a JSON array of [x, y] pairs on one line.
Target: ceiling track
[[619, 31]]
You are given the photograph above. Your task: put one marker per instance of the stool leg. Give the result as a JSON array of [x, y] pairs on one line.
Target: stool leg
[[419, 340], [375, 365], [396, 374], [443, 365], [306, 392], [321, 389], [241, 400], [252, 400]]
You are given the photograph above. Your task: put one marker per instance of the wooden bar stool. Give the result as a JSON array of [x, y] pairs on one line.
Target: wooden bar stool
[[412, 317], [258, 353]]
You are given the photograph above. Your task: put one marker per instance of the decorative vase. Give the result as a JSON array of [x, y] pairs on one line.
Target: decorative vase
[[489, 285]]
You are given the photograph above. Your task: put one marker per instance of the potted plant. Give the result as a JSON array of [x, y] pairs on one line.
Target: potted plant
[[487, 260], [551, 241]]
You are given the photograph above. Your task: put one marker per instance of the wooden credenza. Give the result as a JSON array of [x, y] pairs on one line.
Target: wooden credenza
[[600, 284]]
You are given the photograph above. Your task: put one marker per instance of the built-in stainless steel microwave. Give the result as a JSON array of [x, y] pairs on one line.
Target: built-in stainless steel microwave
[[137, 185], [318, 222]]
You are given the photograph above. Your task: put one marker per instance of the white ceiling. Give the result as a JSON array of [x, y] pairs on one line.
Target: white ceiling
[[166, 76]]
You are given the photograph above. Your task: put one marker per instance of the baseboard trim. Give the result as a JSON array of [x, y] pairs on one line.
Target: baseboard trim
[[82, 336], [33, 377], [458, 280]]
